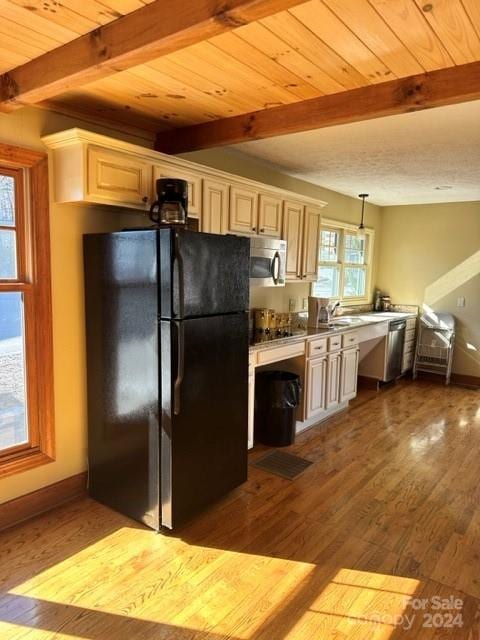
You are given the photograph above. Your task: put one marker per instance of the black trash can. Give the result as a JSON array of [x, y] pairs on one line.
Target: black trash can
[[277, 396]]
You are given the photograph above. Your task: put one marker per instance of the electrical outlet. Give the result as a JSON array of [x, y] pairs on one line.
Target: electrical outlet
[[305, 303], [292, 304], [461, 301]]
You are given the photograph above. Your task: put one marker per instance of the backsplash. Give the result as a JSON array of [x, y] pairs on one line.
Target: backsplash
[[278, 298]]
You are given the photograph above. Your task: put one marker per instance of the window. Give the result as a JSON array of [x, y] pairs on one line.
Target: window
[[26, 417], [344, 263]]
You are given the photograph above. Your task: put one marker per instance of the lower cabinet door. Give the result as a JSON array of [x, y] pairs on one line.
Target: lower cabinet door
[[333, 380], [349, 376], [316, 387]]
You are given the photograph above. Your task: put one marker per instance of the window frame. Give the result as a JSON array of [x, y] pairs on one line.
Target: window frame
[[343, 228], [33, 281]]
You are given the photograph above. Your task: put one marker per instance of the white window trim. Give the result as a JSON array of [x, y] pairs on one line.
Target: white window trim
[[335, 225]]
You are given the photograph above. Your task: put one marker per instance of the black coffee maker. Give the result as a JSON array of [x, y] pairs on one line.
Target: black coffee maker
[[171, 206]]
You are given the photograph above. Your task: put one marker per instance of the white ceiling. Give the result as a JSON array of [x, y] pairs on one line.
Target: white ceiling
[[397, 159]]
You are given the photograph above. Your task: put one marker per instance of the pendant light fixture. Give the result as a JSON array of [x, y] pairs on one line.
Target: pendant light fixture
[[361, 226]]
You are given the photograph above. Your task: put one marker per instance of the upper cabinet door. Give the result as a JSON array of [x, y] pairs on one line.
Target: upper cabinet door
[[270, 216], [292, 233], [115, 177], [194, 185], [214, 206], [311, 239], [243, 210]]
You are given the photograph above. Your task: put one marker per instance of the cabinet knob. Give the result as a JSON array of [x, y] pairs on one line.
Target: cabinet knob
[[145, 199], [254, 228], [262, 230]]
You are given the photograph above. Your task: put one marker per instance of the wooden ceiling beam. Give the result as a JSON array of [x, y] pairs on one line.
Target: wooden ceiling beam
[[423, 91], [154, 30]]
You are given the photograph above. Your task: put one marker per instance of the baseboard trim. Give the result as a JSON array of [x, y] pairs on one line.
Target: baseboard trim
[[465, 381], [44, 499], [456, 378]]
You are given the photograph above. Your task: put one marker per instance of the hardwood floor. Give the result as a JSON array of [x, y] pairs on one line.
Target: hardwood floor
[[389, 509]]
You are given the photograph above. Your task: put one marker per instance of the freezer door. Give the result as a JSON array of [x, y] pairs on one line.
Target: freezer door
[[202, 274], [204, 364]]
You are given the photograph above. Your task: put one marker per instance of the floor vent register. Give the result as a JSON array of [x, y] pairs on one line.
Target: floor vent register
[[282, 464]]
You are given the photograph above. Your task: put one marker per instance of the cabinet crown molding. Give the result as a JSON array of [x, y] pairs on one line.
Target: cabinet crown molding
[[77, 137]]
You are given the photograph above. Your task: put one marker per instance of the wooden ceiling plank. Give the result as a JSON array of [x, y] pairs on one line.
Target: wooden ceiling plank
[[325, 25], [123, 7], [247, 78], [124, 90], [114, 105], [433, 89], [57, 13], [287, 27], [364, 21], [42, 25], [207, 83], [145, 34], [93, 10], [27, 36], [7, 56], [189, 58], [278, 50], [164, 84], [452, 25], [232, 44], [472, 7], [408, 23], [10, 41]]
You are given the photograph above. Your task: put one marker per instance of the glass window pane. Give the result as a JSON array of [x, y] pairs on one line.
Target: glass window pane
[[328, 246], [354, 249], [327, 284], [353, 282], [7, 201], [8, 255], [13, 419]]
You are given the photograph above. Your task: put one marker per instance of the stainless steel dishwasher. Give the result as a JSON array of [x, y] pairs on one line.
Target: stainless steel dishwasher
[[396, 339]]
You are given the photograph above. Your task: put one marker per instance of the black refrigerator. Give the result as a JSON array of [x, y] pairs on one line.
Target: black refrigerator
[[167, 370]]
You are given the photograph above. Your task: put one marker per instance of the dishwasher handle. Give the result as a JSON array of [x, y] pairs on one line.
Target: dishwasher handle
[[397, 325]]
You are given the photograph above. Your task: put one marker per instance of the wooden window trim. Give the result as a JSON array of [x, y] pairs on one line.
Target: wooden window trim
[[34, 276]]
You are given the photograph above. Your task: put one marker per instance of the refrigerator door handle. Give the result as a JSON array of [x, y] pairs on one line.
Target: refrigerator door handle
[[177, 387], [178, 260], [276, 267]]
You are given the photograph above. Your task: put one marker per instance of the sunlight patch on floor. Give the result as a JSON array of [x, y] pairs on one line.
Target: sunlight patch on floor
[[158, 579], [358, 604]]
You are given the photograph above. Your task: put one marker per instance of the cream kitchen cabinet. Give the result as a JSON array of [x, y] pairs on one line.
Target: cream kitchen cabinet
[[194, 181], [270, 215], [243, 212], [94, 169], [254, 213], [349, 374], [316, 387], [292, 233], [118, 178], [332, 397], [214, 206], [310, 244], [301, 230]]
